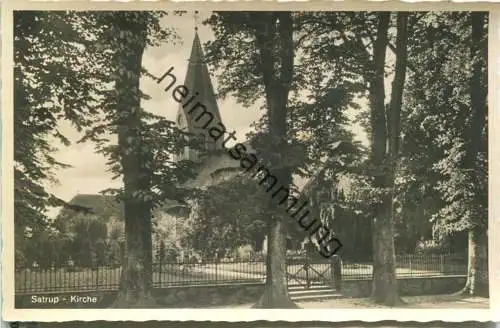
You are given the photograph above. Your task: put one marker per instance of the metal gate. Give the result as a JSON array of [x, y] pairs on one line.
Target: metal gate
[[307, 272]]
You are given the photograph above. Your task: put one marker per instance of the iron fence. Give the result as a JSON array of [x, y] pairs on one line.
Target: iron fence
[[66, 279], [412, 265], [165, 274]]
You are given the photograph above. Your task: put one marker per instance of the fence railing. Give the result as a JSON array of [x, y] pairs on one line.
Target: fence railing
[[216, 272], [163, 275], [412, 265]]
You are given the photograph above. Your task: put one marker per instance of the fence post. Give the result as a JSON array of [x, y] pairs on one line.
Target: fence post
[[336, 271], [441, 263], [216, 278], [308, 282], [159, 271], [97, 277]]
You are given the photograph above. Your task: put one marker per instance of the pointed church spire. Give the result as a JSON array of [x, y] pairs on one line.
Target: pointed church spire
[[199, 84], [196, 50]]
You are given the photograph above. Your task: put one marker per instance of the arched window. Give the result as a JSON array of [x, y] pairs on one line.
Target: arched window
[[180, 122]]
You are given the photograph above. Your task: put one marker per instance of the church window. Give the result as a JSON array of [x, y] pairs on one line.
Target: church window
[[180, 122]]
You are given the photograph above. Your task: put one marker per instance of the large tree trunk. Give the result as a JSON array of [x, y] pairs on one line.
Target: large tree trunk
[[276, 289], [277, 89], [384, 284], [477, 273], [136, 279], [384, 126]]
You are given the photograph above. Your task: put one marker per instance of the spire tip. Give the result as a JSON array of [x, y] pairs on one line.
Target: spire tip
[[196, 19]]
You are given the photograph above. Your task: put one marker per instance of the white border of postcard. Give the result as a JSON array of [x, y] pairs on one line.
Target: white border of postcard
[[401, 314]]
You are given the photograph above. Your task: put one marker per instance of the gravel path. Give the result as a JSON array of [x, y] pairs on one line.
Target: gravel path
[[414, 302]]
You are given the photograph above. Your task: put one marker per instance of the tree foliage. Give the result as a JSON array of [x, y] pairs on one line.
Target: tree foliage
[[58, 75], [435, 178], [65, 70], [427, 159], [266, 72], [85, 67], [262, 57], [452, 112], [230, 216]]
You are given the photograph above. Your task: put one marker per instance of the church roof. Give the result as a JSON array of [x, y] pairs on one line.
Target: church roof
[[198, 81]]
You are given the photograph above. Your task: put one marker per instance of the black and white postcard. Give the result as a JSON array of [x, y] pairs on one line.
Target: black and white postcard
[[169, 164]]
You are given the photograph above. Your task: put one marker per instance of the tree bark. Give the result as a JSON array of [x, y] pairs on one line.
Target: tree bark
[[136, 278], [277, 89], [398, 84], [276, 290], [385, 143], [477, 273], [477, 270]]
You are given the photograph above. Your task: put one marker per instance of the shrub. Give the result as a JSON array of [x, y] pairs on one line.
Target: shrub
[[20, 260], [244, 253], [428, 247], [113, 256]]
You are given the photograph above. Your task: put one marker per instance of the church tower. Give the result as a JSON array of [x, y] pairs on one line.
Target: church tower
[[199, 84]]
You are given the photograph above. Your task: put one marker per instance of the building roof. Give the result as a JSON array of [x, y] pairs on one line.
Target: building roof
[[96, 204], [90, 206], [198, 81], [101, 206]]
